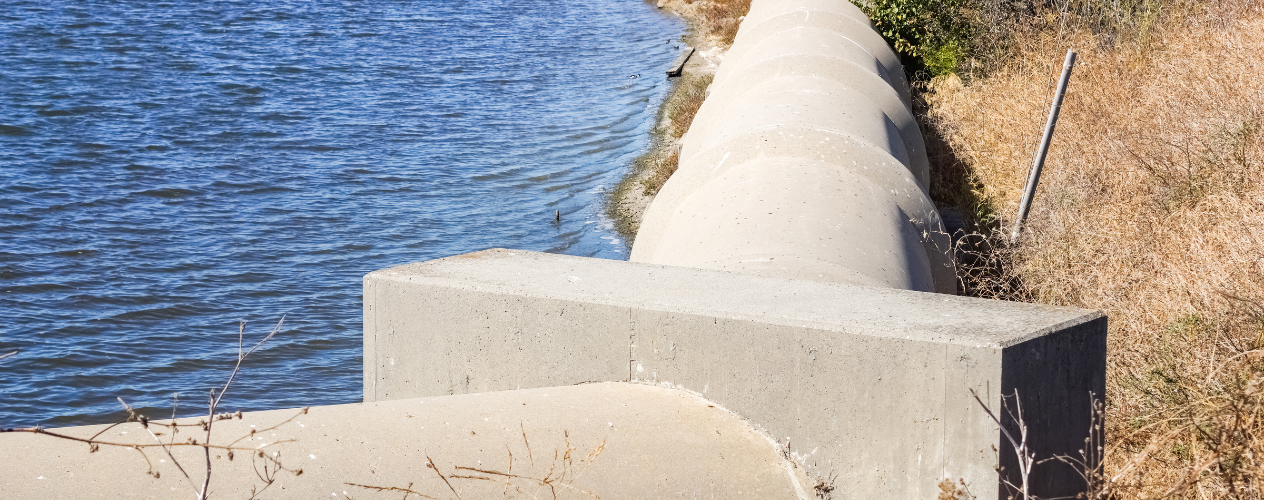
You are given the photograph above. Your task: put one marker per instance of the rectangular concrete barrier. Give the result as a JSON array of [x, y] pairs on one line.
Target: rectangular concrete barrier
[[868, 386]]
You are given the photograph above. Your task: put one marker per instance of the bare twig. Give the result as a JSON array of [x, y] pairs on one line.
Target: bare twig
[[271, 465], [407, 491], [145, 423], [1025, 459], [431, 465], [527, 443], [214, 399]]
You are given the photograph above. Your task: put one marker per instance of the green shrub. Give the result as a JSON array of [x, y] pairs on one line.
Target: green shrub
[[933, 36]]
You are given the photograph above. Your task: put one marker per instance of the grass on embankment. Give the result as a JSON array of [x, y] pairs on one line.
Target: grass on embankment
[[712, 26], [1151, 208]]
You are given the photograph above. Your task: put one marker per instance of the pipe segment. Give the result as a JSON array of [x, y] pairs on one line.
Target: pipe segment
[[805, 162], [655, 242], [839, 41], [789, 104], [801, 40], [763, 10], [628, 441], [792, 218], [834, 77], [768, 17], [817, 51]]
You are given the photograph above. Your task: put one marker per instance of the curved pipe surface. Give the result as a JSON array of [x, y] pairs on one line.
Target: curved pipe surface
[[805, 162], [768, 17]]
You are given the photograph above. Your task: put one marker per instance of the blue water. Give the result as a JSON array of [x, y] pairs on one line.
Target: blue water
[[170, 169]]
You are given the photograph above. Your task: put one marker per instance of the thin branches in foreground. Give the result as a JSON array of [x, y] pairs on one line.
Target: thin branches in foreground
[[267, 467], [560, 477]]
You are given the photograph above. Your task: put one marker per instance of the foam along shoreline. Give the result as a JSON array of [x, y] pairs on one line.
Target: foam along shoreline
[[804, 162]]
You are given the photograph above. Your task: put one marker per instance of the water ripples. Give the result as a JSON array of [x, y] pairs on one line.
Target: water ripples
[[169, 169]]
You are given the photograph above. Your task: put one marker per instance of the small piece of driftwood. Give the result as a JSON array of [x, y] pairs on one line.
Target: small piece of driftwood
[[678, 66]]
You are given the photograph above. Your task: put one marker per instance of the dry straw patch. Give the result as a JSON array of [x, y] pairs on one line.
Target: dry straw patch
[[1151, 209]]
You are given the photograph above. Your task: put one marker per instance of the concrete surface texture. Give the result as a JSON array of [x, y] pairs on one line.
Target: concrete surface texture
[[805, 161], [609, 440], [768, 17], [867, 385]]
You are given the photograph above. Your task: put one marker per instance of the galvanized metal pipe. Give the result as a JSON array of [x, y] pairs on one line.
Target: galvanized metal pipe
[[1032, 180]]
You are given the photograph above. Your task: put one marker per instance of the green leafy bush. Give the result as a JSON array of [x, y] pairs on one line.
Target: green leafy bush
[[929, 35]]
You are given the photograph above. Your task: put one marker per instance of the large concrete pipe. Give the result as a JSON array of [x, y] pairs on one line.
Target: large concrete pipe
[[804, 162]]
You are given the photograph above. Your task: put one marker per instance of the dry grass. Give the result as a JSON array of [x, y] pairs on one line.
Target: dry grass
[[683, 104], [715, 20], [1151, 209], [677, 114], [661, 168]]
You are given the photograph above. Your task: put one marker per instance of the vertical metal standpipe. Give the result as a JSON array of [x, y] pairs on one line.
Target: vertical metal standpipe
[[1032, 180]]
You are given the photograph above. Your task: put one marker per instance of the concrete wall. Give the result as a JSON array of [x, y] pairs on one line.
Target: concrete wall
[[868, 385], [805, 161]]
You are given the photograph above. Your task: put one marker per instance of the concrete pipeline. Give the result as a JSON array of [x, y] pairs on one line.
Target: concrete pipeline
[[805, 161]]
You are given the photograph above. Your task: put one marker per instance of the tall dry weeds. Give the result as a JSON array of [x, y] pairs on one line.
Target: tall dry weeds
[[1151, 209]]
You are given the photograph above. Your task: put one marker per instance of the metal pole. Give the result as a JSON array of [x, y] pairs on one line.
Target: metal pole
[[1030, 191]]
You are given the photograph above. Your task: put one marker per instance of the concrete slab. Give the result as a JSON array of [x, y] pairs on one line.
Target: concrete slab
[[589, 441], [868, 385]]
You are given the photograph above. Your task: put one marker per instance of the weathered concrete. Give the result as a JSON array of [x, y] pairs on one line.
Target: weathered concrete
[[804, 162], [870, 385], [590, 441], [768, 17], [816, 197], [832, 74]]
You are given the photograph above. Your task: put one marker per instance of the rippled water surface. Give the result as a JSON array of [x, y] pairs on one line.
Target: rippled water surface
[[168, 169]]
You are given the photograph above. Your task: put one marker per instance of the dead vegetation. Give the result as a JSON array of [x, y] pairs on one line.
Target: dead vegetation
[[267, 467], [553, 479], [1151, 209], [677, 114]]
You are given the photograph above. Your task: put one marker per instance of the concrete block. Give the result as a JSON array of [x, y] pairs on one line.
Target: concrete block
[[869, 385]]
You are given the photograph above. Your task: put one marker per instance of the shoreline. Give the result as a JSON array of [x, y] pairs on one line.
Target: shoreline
[[711, 36]]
